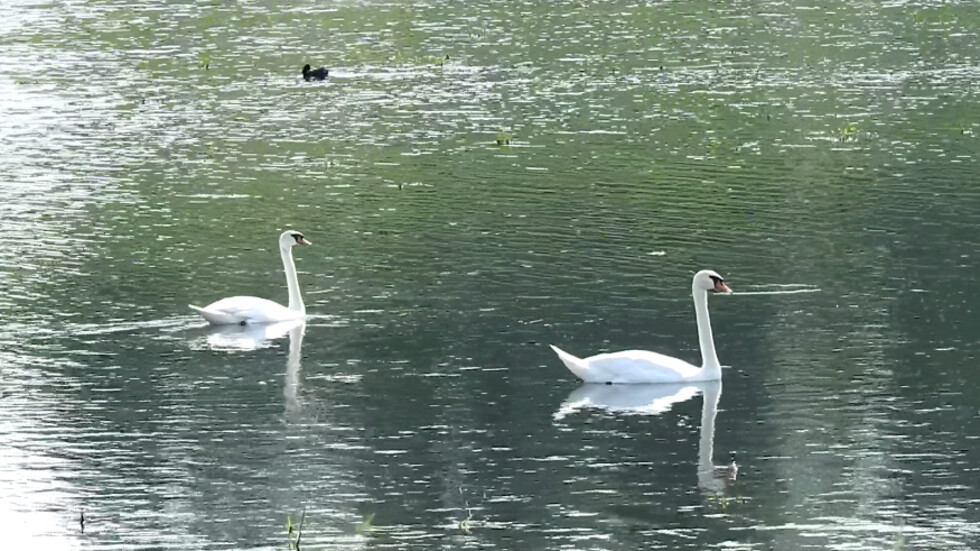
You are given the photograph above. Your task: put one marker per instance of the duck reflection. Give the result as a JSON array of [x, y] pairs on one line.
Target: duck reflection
[[656, 399]]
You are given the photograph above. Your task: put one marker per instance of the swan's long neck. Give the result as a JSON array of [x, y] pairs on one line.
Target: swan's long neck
[[292, 283], [709, 358]]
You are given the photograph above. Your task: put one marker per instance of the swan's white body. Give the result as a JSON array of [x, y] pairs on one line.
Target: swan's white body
[[248, 310], [643, 367]]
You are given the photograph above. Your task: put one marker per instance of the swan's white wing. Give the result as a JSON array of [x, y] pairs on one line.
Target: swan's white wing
[[639, 366], [216, 317], [238, 310]]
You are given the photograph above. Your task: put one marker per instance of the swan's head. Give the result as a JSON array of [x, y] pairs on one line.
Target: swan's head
[[290, 238], [709, 280]]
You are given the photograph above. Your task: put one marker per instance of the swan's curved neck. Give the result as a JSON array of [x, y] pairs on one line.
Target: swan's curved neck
[[709, 358], [292, 283]]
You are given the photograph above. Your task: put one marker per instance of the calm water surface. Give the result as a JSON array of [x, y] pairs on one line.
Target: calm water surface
[[820, 155]]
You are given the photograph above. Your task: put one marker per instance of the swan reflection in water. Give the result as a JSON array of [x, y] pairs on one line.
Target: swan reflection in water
[[655, 399], [261, 335], [290, 389], [231, 338]]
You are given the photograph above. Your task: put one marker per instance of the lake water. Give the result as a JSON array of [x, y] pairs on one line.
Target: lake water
[[821, 155]]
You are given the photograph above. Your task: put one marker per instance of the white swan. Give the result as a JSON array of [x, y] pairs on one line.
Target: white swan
[[246, 310], [641, 366]]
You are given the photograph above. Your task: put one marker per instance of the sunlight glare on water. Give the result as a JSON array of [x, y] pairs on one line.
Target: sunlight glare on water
[[480, 180]]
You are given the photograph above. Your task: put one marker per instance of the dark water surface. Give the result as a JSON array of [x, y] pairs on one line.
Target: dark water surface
[[820, 155]]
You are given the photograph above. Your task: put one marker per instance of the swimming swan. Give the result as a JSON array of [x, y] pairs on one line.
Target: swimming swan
[[641, 366], [246, 310]]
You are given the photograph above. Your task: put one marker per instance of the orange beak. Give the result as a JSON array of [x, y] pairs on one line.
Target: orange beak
[[721, 287]]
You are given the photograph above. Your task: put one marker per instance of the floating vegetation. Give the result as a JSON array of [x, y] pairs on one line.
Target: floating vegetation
[[940, 14], [723, 502], [292, 543], [466, 524], [503, 139], [848, 132], [204, 59], [366, 526]]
